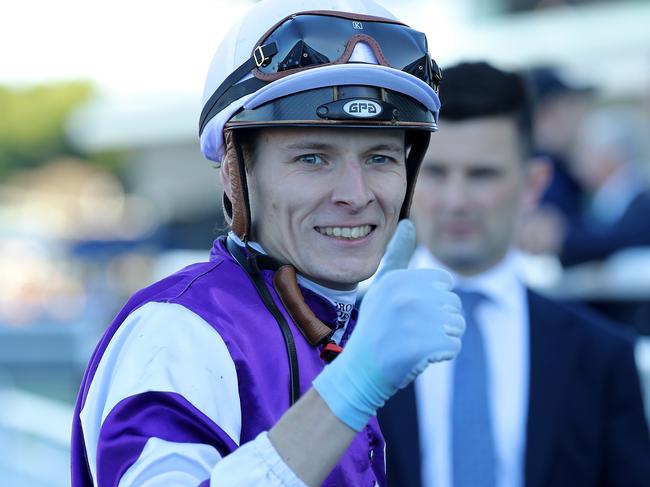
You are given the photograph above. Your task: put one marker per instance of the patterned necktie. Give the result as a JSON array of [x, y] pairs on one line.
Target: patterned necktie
[[473, 452]]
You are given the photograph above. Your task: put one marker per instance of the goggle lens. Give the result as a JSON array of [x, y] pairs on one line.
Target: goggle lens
[[311, 40]]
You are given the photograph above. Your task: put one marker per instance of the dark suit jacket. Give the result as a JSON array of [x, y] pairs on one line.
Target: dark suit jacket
[[563, 192], [584, 242], [586, 425]]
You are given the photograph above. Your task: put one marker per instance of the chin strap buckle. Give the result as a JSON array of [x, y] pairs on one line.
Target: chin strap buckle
[[330, 351]]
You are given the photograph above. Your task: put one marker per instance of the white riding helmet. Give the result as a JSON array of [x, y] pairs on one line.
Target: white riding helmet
[[317, 63]]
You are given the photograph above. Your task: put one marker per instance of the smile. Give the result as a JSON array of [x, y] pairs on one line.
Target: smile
[[345, 232]]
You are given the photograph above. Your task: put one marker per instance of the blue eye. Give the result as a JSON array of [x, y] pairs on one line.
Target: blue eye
[[311, 159], [379, 159]]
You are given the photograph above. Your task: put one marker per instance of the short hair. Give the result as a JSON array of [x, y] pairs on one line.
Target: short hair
[[477, 90], [247, 139]]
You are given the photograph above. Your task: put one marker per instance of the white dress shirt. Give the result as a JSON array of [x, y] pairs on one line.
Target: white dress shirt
[[504, 324], [613, 198]]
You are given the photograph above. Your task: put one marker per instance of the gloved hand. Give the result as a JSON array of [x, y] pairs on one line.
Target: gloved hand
[[407, 319]]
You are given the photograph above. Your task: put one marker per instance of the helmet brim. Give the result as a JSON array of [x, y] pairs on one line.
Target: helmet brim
[[336, 75]]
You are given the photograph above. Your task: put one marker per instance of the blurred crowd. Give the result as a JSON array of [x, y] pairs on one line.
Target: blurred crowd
[[67, 230], [593, 216], [597, 202]]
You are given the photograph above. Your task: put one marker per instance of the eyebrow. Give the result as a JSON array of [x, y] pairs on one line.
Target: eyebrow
[[322, 146], [311, 145], [387, 147]]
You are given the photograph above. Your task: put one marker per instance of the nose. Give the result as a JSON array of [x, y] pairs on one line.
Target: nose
[[456, 193], [351, 189]]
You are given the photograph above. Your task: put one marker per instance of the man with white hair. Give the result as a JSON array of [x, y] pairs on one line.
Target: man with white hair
[[608, 165], [615, 213]]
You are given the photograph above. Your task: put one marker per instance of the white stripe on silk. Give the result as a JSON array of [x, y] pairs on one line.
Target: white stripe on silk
[[164, 347], [164, 463]]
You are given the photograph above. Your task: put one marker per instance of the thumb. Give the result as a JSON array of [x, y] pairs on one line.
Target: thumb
[[400, 249]]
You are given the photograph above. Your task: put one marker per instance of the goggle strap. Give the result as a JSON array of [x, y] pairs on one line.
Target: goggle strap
[[235, 92], [261, 56]]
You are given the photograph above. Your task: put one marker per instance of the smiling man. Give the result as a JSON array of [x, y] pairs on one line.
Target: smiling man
[[232, 372], [328, 199]]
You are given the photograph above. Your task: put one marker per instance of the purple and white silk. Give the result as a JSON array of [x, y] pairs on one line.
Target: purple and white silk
[[192, 369]]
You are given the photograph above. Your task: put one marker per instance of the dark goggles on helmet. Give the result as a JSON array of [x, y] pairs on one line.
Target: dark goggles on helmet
[[312, 39]]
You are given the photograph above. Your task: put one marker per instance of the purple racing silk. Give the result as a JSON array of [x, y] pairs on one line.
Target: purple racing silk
[[116, 424]]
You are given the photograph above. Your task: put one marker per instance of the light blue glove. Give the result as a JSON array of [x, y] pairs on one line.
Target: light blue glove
[[407, 319]]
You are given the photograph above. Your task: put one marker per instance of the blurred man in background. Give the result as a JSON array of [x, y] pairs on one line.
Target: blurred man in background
[[559, 108], [541, 394], [614, 213]]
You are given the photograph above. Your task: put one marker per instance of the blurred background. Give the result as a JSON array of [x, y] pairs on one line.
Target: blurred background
[[103, 189]]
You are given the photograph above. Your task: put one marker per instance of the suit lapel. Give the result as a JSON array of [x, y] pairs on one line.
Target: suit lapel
[[398, 420], [552, 358]]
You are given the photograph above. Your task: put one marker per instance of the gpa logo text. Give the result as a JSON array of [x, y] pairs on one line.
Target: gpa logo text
[[362, 108]]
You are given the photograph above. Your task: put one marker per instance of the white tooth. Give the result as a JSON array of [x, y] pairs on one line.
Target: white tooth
[[368, 229], [355, 232], [346, 232], [328, 231], [336, 231]]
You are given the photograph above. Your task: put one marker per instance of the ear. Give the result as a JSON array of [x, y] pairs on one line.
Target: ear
[[538, 176]]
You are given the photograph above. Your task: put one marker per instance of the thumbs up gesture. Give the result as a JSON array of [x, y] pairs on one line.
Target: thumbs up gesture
[[408, 319]]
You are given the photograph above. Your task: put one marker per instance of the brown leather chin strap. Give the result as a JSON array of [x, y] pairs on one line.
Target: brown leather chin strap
[[286, 285], [236, 211]]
